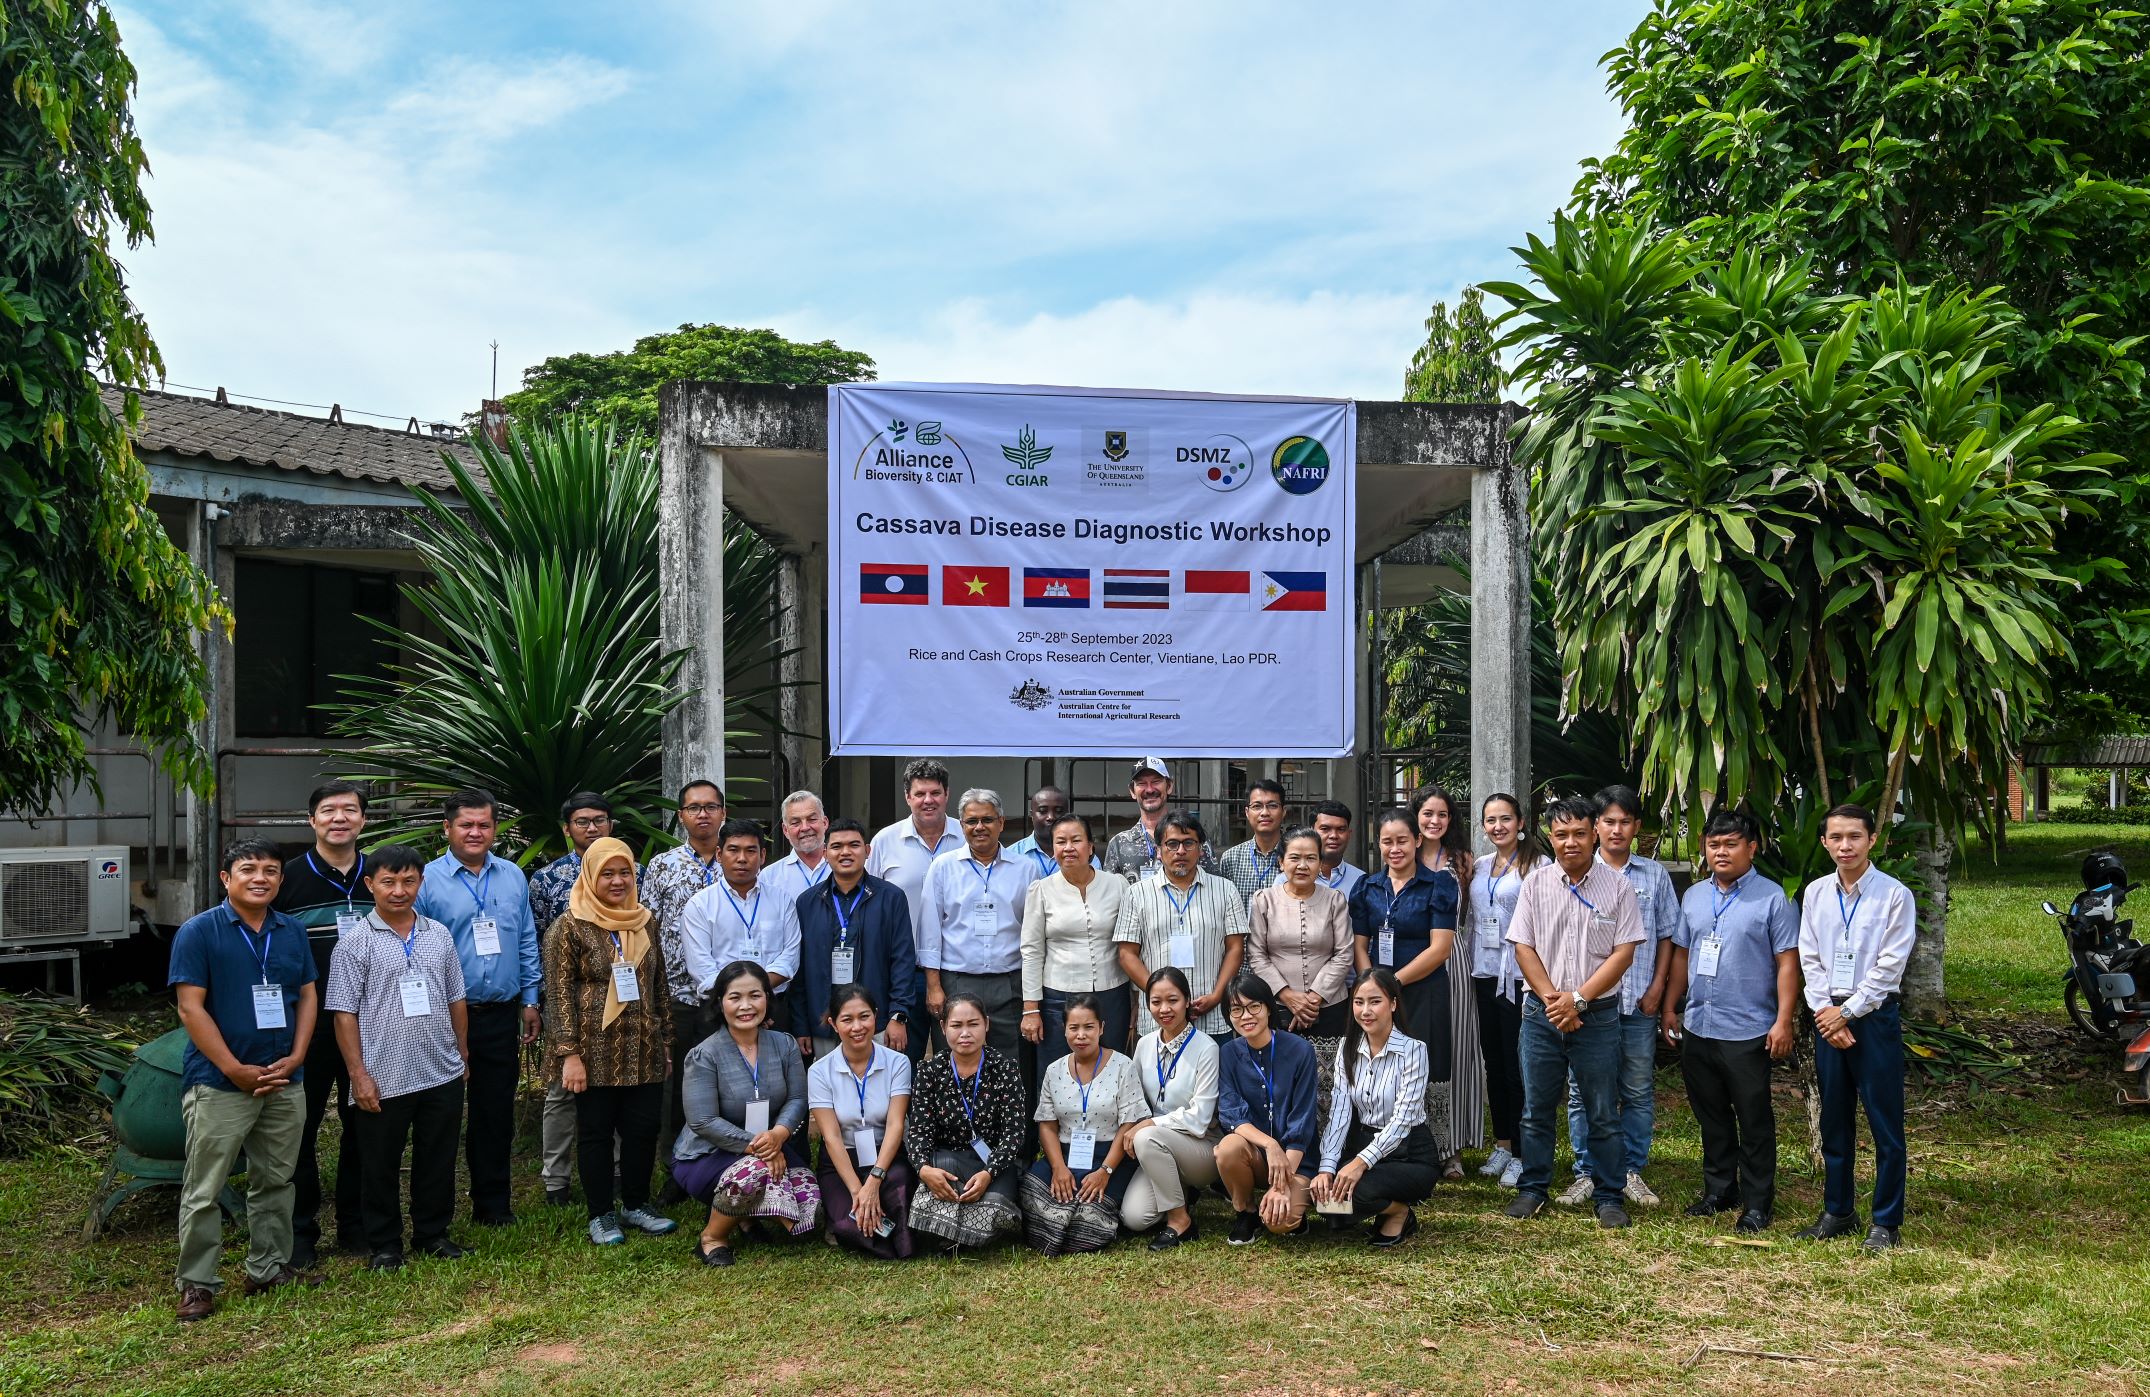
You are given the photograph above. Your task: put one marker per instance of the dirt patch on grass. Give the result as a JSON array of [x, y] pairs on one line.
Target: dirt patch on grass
[[550, 1353]]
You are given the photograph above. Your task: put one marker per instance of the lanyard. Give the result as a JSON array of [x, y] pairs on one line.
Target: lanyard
[[1848, 913], [477, 894], [1180, 909], [1500, 869], [860, 1082], [350, 889], [1722, 903], [619, 952], [709, 869], [1390, 897], [1083, 1086], [268, 942], [745, 915], [408, 943], [754, 1067], [814, 876], [844, 914], [968, 1096], [1045, 861], [1261, 874], [985, 875], [1268, 1070], [1336, 878], [1164, 1073], [1147, 842], [1575, 891]]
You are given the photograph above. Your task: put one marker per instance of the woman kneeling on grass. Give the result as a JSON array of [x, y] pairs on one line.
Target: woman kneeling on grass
[[1071, 1196], [1174, 1146], [1377, 1112], [860, 1095], [1268, 1089], [965, 1134], [744, 1093]]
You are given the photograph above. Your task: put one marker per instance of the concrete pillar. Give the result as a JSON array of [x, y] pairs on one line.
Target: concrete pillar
[[791, 695], [217, 727], [690, 581], [1500, 631]]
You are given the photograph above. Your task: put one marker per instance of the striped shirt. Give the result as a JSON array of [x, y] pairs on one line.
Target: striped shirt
[[1659, 905], [1574, 928], [1388, 1096], [1209, 911], [1250, 869]]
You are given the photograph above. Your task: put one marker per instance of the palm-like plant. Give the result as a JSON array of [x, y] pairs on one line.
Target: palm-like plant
[[540, 672]]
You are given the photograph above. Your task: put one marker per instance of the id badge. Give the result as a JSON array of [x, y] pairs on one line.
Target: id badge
[[1489, 937], [1707, 950], [624, 983], [485, 936], [1082, 1151], [348, 923], [1385, 947], [985, 914], [984, 1151], [268, 1006], [757, 1117], [841, 965], [864, 1148], [1150, 869], [1180, 950], [1602, 918], [1844, 971], [417, 1003]]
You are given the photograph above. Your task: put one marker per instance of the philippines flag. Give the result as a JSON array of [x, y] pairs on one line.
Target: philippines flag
[[1058, 587], [893, 584], [1216, 591], [1295, 591], [1138, 589], [974, 586]]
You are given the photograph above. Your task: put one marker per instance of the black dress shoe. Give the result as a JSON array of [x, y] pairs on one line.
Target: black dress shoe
[[671, 1194], [1879, 1238], [385, 1261], [444, 1250], [1410, 1225], [1828, 1226], [305, 1252], [1168, 1237], [494, 1219], [1710, 1205], [559, 1197], [1752, 1220], [1613, 1217], [713, 1256], [1526, 1205]]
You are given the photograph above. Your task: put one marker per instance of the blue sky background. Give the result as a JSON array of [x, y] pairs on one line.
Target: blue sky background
[[352, 200]]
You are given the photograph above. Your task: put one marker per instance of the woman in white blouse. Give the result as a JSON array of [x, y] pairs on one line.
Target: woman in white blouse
[[858, 1097], [1299, 942], [1377, 1115], [1175, 1148], [1068, 921], [1073, 1192], [1495, 885]]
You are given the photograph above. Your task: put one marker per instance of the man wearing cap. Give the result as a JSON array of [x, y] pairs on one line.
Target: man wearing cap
[[1132, 853]]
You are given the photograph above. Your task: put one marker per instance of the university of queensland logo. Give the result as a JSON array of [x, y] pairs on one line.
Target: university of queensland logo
[[1115, 446], [1300, 464]]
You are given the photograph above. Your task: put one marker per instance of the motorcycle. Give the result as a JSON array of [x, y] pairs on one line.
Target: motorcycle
[[2107, 983]]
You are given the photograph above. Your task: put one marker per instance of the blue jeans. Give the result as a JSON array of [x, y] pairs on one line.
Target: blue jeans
[[1637, 1104], [1592, 1055], [1869, 1073]]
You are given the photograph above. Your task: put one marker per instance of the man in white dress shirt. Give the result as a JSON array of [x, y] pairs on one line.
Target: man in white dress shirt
[[1856, 930], [805, 823], [972, 937], [741, 916]]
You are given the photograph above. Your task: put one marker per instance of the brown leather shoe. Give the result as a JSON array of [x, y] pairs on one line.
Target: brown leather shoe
[[195, 1302], [286, 1275]]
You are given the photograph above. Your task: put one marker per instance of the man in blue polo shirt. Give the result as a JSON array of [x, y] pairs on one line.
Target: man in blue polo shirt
[[1735, 956], [245, 976], [854, 928], [484, 901]]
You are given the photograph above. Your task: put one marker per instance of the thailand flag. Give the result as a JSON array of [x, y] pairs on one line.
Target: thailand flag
[[1216, 591], [1295, 591], [1138, 589], [1057, 587], [893, 584]]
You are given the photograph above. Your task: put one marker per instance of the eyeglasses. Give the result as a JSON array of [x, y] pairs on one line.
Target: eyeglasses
[[979, 821], [1240, 1011], [591, 821], [1181, 844], [701, 808]]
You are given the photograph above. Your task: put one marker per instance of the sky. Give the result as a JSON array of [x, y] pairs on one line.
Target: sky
[[352, 202]]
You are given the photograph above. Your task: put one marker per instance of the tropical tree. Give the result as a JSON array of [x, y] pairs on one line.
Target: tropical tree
[[102, 613], [1457, 362], [541, 672], [623, 385]]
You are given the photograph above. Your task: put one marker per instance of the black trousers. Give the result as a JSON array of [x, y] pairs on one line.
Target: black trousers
[[1728, 1087], [496, 1064], [1407, 1174], [630, 1114], [1500, 1030], [326, 1080], [427, 1120], [691, 1023]]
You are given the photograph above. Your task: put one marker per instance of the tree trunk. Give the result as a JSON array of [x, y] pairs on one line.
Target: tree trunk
[[1806, 1070], [1925, 995]]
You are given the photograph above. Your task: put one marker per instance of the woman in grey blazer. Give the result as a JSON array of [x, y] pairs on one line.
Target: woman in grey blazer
[[744, 1094]]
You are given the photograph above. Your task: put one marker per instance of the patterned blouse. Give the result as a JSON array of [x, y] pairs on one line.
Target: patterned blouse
[[668, 884], [939, 1119], [578, 971]]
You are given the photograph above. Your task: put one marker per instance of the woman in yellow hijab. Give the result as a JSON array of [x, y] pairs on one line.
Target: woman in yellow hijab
[[611, 1037]]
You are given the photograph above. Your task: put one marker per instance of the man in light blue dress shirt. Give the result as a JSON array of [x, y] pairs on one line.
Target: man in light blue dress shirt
[[484, 901], [971, 927]]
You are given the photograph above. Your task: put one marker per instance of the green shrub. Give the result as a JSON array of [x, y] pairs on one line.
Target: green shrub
[[50, 1057], [2099, 815]]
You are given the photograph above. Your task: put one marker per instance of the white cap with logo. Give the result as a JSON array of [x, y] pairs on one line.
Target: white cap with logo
[[1156, 764]]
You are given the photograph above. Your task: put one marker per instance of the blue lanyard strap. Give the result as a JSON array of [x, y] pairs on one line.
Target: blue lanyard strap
[[845, 914], [1333, 879], [619, 952], [1268, 1070], [350, 889], [754, 1067], [1045, 861], [859, 1081], [1083, 1086], [709, 868], [1164, 1073], [1263, 873], [1848, 913], [1180, 909], [984, 872], [745, 915], [1721, 902], [968, 1096], [1575, 891], [268, 942], [476, 887]]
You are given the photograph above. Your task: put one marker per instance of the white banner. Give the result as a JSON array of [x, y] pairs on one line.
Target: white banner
[[1029, 571]]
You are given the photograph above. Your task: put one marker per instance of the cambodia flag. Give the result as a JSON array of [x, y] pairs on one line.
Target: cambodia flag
[[894, 584], [974, 586], [1057, 587], [1295, 591]]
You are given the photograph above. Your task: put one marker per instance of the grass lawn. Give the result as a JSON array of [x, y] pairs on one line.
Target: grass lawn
[[2024, 1271]]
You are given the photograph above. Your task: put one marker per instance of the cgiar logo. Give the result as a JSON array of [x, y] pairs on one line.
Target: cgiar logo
[[940, 459], [1300, 465]]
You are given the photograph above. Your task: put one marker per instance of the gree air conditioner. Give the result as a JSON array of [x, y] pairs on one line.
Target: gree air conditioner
[[50, 897]]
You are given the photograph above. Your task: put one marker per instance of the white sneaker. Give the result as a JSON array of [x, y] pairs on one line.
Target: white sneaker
[[1513, 1174], [1496, 1162], [644, 1220], [1640, 1193], [1579, 1192]]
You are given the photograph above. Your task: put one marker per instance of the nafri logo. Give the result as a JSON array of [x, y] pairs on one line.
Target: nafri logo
[[1300, 464], [939, 459], [1223, 463]]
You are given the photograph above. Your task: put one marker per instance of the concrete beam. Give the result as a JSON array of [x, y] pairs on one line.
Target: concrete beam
[[1500, 628], [258, 522]]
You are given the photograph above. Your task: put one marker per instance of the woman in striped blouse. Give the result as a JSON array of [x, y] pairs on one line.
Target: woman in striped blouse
[[1377, 1114]]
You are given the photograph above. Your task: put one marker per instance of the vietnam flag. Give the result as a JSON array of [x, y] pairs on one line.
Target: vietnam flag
[[974, 586]]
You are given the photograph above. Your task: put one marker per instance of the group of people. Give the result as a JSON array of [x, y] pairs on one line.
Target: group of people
[[926, 1039]]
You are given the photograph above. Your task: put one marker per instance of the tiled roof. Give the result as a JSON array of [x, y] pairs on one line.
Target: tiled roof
[[2096, 751], [189, 426]]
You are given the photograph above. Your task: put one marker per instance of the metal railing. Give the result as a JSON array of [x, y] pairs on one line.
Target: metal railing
[[160, 846]]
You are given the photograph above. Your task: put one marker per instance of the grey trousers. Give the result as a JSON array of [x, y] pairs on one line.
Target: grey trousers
[[1171, 1162], [219, 1125]]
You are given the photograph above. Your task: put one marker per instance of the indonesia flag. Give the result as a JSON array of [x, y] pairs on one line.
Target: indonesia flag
[[1138, 589], [1295, 591], [1066, 588], [1216, 591], [893, 584]]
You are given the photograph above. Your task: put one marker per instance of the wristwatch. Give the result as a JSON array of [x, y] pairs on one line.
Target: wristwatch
[[878, 1172], [899, 1017]]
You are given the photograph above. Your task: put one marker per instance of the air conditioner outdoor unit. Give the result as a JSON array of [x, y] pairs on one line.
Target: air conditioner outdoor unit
[[52, 897]]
